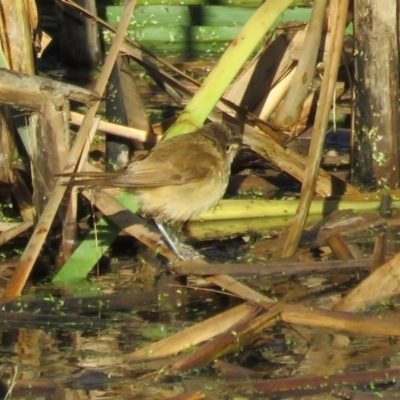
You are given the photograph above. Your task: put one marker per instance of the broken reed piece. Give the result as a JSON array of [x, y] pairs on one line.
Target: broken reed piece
[[114, 129], [339, 247]]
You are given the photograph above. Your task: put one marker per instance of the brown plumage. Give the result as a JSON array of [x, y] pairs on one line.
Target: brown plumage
[[180, 178]]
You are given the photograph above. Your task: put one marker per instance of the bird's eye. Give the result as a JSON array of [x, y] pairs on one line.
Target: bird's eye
[[231, 147]]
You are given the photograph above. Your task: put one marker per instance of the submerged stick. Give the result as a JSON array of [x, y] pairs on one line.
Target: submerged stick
[[18, 281]]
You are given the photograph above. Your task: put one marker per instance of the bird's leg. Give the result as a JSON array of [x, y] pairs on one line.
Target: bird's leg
[[174, 242]]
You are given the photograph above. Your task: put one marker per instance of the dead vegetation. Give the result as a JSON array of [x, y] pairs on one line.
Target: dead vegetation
[[350, 234]]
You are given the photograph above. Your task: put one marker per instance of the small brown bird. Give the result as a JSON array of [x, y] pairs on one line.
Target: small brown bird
[[180, 178]]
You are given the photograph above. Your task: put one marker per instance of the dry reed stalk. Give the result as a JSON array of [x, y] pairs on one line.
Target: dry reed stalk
[[33, 15], [193, 335], [308, 106], [47, 128], [338, 17], [18, 281], [289, 111], [70, 226], [27, 91], [15, 231], [193, 267], [276, 95], [188, 396], [339, 247], [16, 37], [22, 195], [378, 257], [5, 226], [369, 324], [109, 127], [7, 146], [88, 141], [318, 386], [381, 285], [227, 283], [282, 80], [261, 74]]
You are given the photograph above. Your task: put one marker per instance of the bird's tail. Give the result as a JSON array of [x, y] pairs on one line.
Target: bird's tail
[[90, 179]]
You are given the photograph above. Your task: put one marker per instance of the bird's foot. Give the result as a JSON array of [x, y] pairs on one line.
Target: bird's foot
[[188, 252], [182, 250]]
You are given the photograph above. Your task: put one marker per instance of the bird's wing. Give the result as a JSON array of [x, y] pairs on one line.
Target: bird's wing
[[182, 168]]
